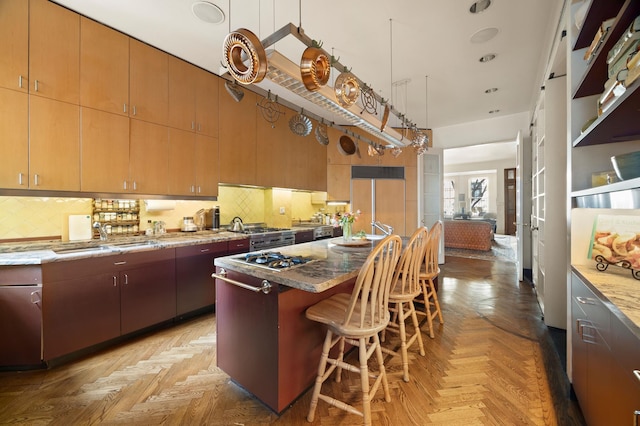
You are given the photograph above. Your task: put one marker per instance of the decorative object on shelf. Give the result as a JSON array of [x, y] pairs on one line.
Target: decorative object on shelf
[[240, 44], [270, 109], [346, 221], [300, 124], [347, 89], [315, 68], [627, 166], [616, 241], [321, 133]]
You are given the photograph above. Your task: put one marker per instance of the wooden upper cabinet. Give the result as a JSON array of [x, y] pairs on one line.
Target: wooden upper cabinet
[[182, 162], [207, 99], [54, 52], [148, 158], [14, 139], [182, 94], [271, 150], [54, 145], [148, 83], [317, 155], [104, 138], [104, 66], [338, 182], [14, 49], [207, 170], [238, 159]]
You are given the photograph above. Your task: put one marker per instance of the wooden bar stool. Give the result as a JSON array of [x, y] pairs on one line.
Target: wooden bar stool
[[428, 273], [357, 318], [404, 288]]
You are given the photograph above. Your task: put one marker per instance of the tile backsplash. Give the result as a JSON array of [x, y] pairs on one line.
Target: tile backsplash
[[47, 217]]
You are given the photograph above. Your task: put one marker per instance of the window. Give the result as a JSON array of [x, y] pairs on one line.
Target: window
[[479, 196], [449, 198]]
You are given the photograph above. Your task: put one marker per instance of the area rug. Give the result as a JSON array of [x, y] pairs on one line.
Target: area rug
[[502, 248]]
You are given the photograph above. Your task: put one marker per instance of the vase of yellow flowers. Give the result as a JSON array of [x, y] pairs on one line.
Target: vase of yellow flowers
[[346, 220]]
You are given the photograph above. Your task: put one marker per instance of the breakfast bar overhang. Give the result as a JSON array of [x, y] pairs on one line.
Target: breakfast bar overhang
[[264, 342]]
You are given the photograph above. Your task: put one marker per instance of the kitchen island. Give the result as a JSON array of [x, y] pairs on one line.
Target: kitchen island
[[264, 341]]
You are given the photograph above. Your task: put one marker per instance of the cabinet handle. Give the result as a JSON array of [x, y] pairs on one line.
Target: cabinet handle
[[35, 298], [134, 110], [637, 374], [585, 300], [115, 281], [204, 250], [36, 180], [199, 189], [124, 185], [19, 178], [122, 262], [193, 189], [135, 186], [35, 85], [126, 279], [199, 127], [20, 81], [193, 125], [636, 415], [124, 107]]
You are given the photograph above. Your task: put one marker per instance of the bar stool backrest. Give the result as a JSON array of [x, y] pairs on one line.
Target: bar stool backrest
[[406, 277]]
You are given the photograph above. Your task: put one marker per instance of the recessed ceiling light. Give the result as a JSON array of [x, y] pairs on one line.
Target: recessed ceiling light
[[487, 58], [484, 35], [480, 6], [207, 12], [491, 90], [494, 111]]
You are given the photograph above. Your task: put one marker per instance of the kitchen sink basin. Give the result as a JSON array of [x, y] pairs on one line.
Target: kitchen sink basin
[[131, 244]]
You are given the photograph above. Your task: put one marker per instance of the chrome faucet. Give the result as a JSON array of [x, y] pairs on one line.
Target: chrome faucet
[[100, 228], [386, 229]]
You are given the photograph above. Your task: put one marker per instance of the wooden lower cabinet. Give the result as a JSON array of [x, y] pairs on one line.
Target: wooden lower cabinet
[[605, 354], [195, 288], [90, 301]]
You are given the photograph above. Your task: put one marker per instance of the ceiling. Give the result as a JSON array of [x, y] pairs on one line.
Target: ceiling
[[418, 53]]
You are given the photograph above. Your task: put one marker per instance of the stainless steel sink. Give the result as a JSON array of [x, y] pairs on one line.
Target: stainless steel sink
[[131, 244]]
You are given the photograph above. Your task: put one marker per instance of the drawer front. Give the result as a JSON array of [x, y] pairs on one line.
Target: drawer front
[[210, 248], [598, 316], [20, 275]]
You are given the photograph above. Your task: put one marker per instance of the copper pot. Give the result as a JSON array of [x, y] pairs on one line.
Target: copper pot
[[315, 68], [244, 42]]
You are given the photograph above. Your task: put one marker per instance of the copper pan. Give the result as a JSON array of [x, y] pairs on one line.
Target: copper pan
[[346, 146], [315, 68], [347, 89], [243, 43]]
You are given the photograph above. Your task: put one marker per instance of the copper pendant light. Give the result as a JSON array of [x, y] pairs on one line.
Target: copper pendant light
[[243, 42]]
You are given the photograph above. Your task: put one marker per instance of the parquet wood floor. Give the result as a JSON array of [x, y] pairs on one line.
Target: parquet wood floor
[[491, 363]]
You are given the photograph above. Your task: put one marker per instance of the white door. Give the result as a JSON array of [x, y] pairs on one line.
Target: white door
[[519, 207], [430, 188]]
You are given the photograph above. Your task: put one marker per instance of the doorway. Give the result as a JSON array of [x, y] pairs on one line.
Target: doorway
[[510, 201]]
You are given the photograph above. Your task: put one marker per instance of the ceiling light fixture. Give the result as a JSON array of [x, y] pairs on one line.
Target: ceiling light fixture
[[491, 90], [488, 57], [207, 12], [287, 74], [480, 6], [494, 111]]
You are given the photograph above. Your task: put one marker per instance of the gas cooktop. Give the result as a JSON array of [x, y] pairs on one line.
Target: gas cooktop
[[273, 260], [261, 230]]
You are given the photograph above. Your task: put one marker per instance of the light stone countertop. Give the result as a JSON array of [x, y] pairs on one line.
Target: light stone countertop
[[617, 289], [35, 253], [332, 264]]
